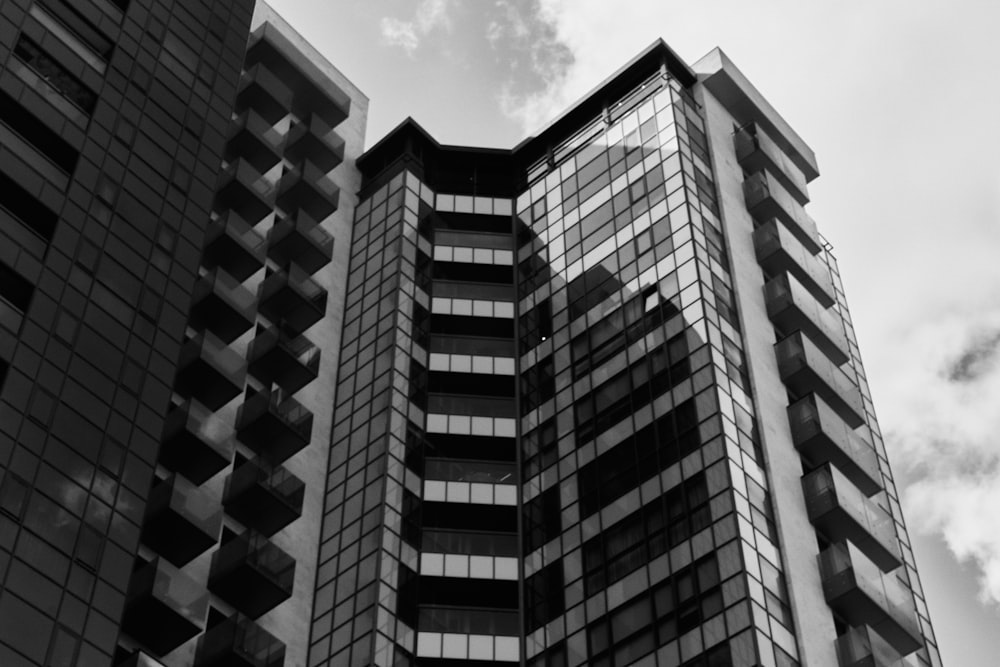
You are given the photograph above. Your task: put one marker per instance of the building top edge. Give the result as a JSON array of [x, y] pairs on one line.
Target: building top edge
[[731, 87]]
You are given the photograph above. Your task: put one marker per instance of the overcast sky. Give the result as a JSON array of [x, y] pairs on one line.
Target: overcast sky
[[900, 101]]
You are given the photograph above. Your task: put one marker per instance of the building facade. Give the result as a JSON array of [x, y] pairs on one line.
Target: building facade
[[600, 402], [593, 400]]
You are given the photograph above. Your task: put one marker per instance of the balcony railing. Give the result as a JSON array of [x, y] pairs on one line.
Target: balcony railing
[[841, 512], [766, 199], [315, 140], [164, 607], [262, 497], [234, 245], [289, 362], [274, 426], [290, 297], [863, 647], [822, 436], [239, 642], [210, 371], [181, 521], [755, 151], [778, 250], [261, 90], [195, 443], [860, 593], [252, 574], [791, 307], [306, 187], [256, 140], [805, 369], [244, 190], [221, 304], [301, 240]]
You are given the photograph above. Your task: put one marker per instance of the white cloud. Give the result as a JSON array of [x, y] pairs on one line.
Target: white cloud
[[430, 15], [944, 439]]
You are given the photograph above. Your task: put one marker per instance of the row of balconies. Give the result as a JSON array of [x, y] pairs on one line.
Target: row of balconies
[[288, 297], [242, 189], [165, 607], [857, 568], [234, 246]]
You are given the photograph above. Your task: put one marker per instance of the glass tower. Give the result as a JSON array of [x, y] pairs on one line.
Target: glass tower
[[600, 402]]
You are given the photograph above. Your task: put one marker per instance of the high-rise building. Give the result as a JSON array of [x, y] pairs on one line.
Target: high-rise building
[[593, 400], [600, 402], [176, 196]]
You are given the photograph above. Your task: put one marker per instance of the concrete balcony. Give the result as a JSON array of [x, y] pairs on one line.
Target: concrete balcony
[[315, 140], [766, 199], [841, 512], [163, 607], [232, 244], [291, 298], [255, 140], [791, 307], [195, 442], [301, 240], [755, 151], [140, 659], [221, 304], [243, 189], [239, 642], [778, 250], [863, 647], [805, 370], [274, 426], [181, 521], [822, 436], [263, 498], [861, 594], [306, 187], [252, 574], [210, 371], [289, 362], [262, 90]]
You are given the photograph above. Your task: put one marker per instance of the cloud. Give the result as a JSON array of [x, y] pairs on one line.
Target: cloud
[[942, 407], [430, 15]]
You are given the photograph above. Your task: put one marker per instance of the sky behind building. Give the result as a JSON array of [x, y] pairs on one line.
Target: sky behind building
[[899, 102]]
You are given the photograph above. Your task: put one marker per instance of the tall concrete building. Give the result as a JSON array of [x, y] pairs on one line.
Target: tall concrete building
[[267, 401]]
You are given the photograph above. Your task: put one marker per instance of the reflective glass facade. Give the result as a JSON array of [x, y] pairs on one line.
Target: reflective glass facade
[[551, 445]]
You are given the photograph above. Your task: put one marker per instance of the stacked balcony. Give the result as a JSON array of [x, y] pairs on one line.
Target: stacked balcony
[[287, 361], [232, 244], [756, 151], [307, 187], [252, 574], [222, 305], [779, 251], [239, 642], [766, 199], [263, 91], [862, 594], [274, 426], [195, 443], [863, 647], [315, 140], [263, 497], [243, 189], [254, 139], [822, 436], [841, 512], [301, 240], [181, 521], [210, 371], [805, 369], [290, 297], [163, 607], [792, 308]]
